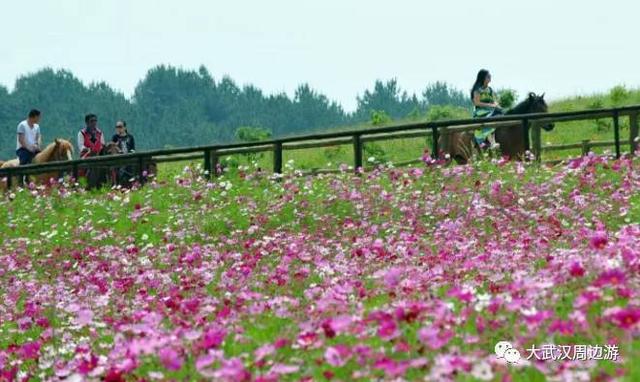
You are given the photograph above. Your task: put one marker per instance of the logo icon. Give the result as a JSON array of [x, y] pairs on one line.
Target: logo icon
[[504, 350]]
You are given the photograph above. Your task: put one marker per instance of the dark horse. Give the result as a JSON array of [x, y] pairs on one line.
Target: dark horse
[[97, 176], [511, 139], [460, 146]]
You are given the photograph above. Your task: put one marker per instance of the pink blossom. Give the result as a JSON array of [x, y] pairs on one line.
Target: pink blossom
[[170, 359], [434, 337]]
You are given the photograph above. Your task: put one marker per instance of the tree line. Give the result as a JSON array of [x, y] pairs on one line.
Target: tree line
[[173, 107]]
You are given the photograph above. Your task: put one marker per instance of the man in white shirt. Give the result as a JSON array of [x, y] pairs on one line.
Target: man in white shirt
[[29, 138]]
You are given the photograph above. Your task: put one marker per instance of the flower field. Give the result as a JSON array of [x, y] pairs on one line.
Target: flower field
[[396, 274]]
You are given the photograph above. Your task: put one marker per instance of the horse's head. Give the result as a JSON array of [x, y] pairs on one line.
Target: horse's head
[[63, 150], [537, 104], [111, 148]]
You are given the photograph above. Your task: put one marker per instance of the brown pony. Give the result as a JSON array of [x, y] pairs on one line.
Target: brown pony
[[59, 150]]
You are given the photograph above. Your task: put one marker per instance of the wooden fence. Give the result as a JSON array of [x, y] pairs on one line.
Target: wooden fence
[[210, 154]]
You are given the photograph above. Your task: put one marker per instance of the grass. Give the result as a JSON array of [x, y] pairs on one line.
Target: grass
[[406, 149]]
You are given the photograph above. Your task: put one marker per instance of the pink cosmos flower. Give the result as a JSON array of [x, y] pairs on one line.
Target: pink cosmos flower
[[626, 318], [84, 317], [338, 355], [281, 369], [232, 370], [170, 359], [388, 329], [393, 277], [434, 337], [598, 240], [610, 277], [576, 269], [565, 328], [392, 368], [30, 350], [213, 337]]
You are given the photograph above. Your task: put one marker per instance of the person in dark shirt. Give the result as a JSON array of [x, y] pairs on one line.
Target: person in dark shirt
[[122, 137], [127, 144]]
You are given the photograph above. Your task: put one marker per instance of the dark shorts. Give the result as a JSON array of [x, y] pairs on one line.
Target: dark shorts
[[25, 156]]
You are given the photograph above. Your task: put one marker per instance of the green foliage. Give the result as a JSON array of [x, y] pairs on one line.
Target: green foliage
[[441, 93], [252, 134], [379, 118], [507, 98], [387, 97], [374, 153], [333, 153], [440, 113], [618, 94]]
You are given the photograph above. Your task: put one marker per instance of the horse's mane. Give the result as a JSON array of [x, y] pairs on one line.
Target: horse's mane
[[521, 108], [48, 152]]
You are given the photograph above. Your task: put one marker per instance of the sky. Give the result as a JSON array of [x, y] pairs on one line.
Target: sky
[[339, 47]]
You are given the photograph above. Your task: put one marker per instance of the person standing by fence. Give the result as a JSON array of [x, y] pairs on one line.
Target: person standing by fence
[[127, 144], [125, 141], [29, 139], [90, 139]]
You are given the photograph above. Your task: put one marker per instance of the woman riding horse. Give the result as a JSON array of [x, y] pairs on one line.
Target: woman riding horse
[[485, 104]]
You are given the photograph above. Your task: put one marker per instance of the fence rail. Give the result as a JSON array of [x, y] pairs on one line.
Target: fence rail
[[211, 153]]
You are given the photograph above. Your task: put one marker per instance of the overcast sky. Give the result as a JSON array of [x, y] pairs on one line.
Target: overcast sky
[[340, 47]]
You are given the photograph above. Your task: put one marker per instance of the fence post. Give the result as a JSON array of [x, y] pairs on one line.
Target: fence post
[[616, 132], [9, 180], [525, 133], [215, 161], [141, 169], [446, 140], [537, 141], [633, 131], [207, 164], [277, 157], [585, 147], [435, 147], [74, 172], [357, 152]]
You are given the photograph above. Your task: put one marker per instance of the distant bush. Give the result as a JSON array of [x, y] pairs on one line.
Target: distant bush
[[507, 98], [375, 152], [333, 153], [444, 112], [379, 117], [252, 134], [618, 95]]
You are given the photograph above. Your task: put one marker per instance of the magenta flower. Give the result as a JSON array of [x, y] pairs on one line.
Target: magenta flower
[[233, 371], [30, 350], [213, 337], [576, 269], [610, 277], [565, 328], [338, 355], [392, 368], [626, 318], [170, 359], [598, 240], [388, 329], [435, 338]]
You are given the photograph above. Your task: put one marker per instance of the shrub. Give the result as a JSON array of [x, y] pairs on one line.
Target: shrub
[[507, 98]]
